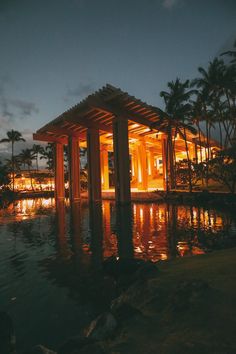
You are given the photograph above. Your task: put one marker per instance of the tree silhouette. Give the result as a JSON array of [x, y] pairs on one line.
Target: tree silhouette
[[13, 136]]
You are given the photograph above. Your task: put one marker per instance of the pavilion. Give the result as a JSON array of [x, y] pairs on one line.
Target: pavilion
[[112, 121]]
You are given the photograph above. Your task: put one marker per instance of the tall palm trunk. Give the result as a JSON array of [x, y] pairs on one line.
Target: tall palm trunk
[[200, 142], [189, 162], [174, 158], [37, 161], [221, 136], [170, 167], [207, 151], [12, 166]]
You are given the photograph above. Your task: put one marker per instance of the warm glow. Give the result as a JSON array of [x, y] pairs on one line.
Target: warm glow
[[139, 174], [135, 125]]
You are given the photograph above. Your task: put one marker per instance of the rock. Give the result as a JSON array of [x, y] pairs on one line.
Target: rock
[[39, 349], [7, 337], [94, 348], [147, 270], [102, 327], [124, 311], [128, 271], [74, 344], [188, 293], [135, 295], [120, 267]]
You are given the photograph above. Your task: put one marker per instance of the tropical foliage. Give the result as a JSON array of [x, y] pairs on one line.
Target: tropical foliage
[[13, 136], [4, 176], [206, 105]]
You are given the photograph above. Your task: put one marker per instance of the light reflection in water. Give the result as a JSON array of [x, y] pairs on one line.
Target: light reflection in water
[[51, 254], [149, 231]]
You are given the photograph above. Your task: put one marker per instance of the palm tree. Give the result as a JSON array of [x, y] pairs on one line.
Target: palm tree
[[4, 175], [48, 154], [177, 119], [231, 53], [13, 136], [13, 165], [218, 83], [37, 150], [26, 157]]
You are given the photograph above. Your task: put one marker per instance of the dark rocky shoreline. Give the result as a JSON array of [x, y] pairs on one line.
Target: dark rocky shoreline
[[181, 306]]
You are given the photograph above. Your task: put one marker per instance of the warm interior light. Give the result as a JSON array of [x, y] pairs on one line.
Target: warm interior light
[[135, 125], [139, 174]]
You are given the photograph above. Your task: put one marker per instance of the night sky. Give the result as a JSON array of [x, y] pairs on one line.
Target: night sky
[[55, 52]]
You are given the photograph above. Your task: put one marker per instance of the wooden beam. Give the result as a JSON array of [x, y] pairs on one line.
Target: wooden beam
[[49, 138], [89, 124], [63, 131]]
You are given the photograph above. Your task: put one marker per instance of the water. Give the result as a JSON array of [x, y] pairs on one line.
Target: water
[[51, 281]]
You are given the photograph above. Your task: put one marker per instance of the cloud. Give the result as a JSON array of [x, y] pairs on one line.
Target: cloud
[[26, 108], [4, 124], [81, 90], [169, 4], [12, 108]]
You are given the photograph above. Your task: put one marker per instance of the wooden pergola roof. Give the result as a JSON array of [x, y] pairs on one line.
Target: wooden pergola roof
[[98, 110]]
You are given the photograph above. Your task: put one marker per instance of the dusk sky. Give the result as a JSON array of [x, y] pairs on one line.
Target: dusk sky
[[55, 52]]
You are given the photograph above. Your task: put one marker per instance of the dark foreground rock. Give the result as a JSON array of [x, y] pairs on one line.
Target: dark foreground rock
[[128, 271], [94, 348], [188, 308], [102, 327], [185, 307], [7, 336], [39, 349], [120, 267]]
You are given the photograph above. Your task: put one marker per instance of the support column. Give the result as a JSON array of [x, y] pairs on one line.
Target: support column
[[196, 152], [104, 167], [164, 163], [94, 168], [142, 166], [74, 169], [151, 163], [191, 148], [59, 171], [134, 168], [121, 159]]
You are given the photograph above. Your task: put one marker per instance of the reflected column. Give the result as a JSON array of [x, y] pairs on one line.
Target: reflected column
[[61, 226], [76, 226], [96, 229], [171, 222], [124, 219]]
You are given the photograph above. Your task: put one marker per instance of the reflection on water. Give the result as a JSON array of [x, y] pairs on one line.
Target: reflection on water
[[51, 256]]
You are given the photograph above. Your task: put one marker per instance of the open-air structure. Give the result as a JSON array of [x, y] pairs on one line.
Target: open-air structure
[[111, 121]]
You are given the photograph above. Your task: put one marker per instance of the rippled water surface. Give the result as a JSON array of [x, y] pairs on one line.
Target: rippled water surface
[[50, 278]]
